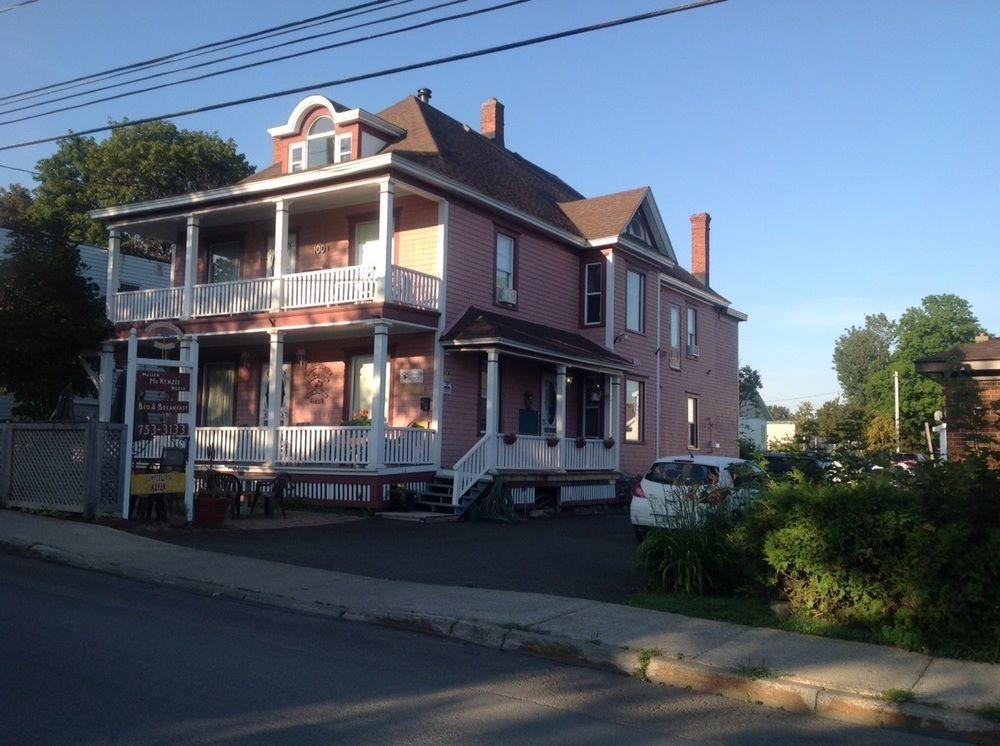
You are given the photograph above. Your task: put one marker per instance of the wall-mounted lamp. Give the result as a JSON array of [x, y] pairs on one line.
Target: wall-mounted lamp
[[300, 358], [621, 337]]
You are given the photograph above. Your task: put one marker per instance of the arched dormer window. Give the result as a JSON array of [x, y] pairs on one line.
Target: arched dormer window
[[319, 143]]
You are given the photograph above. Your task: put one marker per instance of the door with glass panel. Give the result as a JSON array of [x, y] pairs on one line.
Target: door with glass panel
[[217, 401]]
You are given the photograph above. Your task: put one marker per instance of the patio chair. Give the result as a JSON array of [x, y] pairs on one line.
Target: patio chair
[[271, 491], [227, 487]]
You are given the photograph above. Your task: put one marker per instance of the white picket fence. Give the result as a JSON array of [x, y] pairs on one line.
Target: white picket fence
[[325, 287]]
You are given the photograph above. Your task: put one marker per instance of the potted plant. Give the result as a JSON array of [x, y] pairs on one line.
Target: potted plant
[[609, 443], [210, 507], [362, 418], [552, 441], [510, 438], [580, 442]]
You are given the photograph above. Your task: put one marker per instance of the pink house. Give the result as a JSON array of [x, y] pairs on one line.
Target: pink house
[[401, 299]]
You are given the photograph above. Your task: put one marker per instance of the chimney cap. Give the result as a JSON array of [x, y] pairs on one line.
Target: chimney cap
[[424, 94]]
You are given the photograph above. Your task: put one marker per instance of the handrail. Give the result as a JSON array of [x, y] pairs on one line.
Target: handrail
[[472, 467]]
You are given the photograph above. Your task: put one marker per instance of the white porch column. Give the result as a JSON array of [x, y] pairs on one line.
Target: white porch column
[[190, 265], [380, 358], [114, 271], [107, 378], [275, 373], [189, 354], [386, 229], [609, 402], [280, 254], [616, 416], [492, 403], [561, 411]]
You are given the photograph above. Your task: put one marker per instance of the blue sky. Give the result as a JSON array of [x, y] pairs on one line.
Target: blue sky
[[849, 152]]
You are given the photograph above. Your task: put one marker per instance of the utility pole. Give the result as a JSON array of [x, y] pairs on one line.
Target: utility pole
[[895, 391]]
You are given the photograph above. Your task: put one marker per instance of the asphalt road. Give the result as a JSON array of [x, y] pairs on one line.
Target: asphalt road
[[89, 658], [583, 556]]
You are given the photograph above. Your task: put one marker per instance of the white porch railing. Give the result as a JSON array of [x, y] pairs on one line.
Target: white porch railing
[[319, 444], [330, 287], [238, 296], [409, 445], [418, 289], [592, 457], [146, 305], [222, 444], [472, 467], [528, 452], [325, 287]]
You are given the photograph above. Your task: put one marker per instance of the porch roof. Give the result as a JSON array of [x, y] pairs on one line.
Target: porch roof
[[481, 329]]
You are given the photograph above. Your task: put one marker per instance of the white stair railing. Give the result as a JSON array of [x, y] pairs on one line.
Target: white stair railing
[[472, 467]]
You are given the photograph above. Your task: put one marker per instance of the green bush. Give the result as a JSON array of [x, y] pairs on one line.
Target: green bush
[[914, 558]]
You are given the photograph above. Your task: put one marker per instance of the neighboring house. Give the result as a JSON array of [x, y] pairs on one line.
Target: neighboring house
[[779, 432], [754, 416], [489, 318], [971, 378], [136, 274]]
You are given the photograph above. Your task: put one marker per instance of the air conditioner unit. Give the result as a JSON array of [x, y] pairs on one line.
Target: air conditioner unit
[[507, 295], [692, 350]]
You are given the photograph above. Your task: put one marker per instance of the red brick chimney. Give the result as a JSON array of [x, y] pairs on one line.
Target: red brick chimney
[[492, 126], [699, 246]]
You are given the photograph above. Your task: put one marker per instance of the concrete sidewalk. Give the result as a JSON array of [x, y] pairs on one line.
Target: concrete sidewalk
[[832, 678]]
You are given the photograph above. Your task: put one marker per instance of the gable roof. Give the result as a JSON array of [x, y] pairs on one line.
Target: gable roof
[[608, 215], [483, 328], [975, 353]]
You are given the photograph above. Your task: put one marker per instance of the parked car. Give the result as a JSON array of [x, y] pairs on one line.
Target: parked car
[[779, 465], [674, 478]]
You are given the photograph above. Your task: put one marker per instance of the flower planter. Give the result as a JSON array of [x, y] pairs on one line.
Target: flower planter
[[210, 512], [510, 438], [552, 442], [609, 443], [580, 442]]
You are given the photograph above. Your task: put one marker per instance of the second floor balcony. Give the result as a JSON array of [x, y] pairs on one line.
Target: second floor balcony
[[357, 284]]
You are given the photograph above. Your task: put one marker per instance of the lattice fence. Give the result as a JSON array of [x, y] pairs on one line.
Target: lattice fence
[[62, 466]]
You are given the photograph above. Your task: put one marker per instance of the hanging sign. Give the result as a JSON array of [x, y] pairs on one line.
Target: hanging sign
[[158, 483], [145, 430], [163, 407], [174, 382]]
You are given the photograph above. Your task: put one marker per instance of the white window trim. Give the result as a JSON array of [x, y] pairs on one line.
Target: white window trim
[[694, 421], [588, 291], [692, 329], [293, 161], [338, 146], [641, 328]]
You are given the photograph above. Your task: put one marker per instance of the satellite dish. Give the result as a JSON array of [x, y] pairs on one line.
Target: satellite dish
[[938, 416]]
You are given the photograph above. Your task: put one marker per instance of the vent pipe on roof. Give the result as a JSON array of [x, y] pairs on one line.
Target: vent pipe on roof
[[492, 122], [424, 94]]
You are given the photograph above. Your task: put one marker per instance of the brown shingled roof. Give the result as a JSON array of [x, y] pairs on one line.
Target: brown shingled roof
[[265, 173], [603, 216], [988, 350], [477, 324]]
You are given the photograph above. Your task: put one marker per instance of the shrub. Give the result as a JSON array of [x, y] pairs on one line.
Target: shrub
[[912, 557]]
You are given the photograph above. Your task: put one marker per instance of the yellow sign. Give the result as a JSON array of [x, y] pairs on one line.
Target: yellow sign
[[158, 483]]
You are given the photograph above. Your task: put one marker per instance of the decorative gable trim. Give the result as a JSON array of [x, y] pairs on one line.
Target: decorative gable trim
[[340, 117]]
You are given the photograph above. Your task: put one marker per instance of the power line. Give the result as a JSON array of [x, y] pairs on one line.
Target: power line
[[62, 88], [163, 58], [382, 73], [15, 6], [282, 58], [243, 54], [15, 168], [806, 396]]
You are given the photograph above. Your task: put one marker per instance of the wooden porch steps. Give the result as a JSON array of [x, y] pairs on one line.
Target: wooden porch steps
[[436, 496]]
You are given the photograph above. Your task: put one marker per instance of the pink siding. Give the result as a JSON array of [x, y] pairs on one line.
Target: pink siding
[[459, 426]]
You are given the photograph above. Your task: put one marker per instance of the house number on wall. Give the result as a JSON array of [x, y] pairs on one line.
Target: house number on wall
[[321, 248]]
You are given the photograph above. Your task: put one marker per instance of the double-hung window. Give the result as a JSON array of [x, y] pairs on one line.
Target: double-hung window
[[593, 295], [506, 254], [675, 336], [343, 148], [296, 157], [633, 410], [692, 333], [692, 422], [635, 301]]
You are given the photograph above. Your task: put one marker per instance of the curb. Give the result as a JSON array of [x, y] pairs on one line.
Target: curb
[[781, 693]]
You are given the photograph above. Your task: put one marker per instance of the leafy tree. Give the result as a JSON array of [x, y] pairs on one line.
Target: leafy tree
[[750, 383], [49, 313], [939, 323], [841, 423], [860, 352], [15, 202], [134, 163], [880, 433], [779, 412], [806, 426]]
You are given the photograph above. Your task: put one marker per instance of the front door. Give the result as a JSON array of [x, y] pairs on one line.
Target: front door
[[548, 404], [367, 249], [592, 407]]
